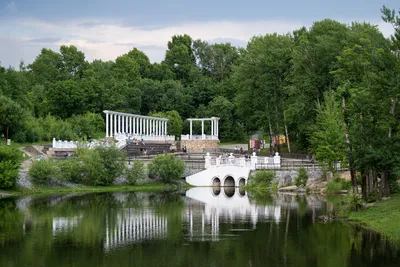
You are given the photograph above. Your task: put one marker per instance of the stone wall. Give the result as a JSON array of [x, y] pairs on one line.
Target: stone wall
[[315, 178], [198, 146]]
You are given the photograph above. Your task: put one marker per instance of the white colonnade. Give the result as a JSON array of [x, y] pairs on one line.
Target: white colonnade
[[214, 128], [134, 125]]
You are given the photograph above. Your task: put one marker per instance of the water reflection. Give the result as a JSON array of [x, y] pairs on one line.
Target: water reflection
[[205, 227]]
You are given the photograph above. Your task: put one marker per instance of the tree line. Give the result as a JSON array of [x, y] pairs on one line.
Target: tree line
[[332, 89]]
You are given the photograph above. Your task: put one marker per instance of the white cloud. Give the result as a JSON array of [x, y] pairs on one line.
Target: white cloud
[[107, 40]]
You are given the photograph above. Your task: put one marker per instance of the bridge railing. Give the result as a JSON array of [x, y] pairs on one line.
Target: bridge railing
[[249, 162]]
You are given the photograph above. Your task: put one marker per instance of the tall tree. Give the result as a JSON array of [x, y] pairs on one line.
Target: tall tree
[[260, 79]]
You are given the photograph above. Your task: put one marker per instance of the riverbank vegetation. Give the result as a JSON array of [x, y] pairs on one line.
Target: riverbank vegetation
[[10, 161], [262, 182], [102, 166], [332, 89], [383, 217]]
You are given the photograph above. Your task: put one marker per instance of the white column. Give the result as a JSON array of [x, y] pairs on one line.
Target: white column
[[202, 129], [111, 125], [115, 124], [107, 124], [166, 130], [133, 125], [123, 123], [150, 127], [140, 126], [119, 124], [129, 125], [191, 129], [217, 122], [147, 126], [158, 128], [162, 128], [212, 127]]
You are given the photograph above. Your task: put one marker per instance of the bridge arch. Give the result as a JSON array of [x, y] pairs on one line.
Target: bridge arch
[[242, 182], [229, 191], [216, 181], [229, 181]]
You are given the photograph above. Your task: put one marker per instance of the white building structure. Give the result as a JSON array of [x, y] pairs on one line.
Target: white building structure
[[231, 171], [214, 129], [136, 126]]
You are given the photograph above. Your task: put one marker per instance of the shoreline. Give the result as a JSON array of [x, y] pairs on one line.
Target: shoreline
[[145, 187], [382, 217]]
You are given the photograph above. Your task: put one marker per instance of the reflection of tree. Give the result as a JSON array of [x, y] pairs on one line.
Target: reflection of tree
[[296, 241], [11, 221]]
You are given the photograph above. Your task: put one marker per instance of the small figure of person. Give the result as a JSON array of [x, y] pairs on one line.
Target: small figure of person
[[236, 149], [312, 160], [241, 150]]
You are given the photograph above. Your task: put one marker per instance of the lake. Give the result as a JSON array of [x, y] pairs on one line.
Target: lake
[[199, 227]]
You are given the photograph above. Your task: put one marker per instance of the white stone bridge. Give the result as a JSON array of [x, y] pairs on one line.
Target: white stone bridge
[[231, 170]]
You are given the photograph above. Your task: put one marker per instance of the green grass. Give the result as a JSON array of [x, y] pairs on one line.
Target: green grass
[[383, 217]]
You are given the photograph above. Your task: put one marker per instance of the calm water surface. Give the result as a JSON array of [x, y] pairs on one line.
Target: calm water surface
[[201, 227]]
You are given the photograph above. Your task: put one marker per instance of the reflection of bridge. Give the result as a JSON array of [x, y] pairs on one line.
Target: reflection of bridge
[[224, 204], [229, 171]]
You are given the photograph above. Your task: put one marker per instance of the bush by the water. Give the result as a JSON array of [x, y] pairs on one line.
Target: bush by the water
[[102, 165], [70, 170], [136, 172], [42, 171], [302, 177], [337, 185], [168, 168], [262, 180], [10, 160], [98, 166]]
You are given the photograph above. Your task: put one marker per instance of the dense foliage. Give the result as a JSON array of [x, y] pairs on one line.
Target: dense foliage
[[302, 177], [332, 89], [10, 160], [98, 166], [136, 172], [42, 171], [168, 168]]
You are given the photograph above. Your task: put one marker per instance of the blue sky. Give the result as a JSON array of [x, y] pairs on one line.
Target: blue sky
[[105, 29]]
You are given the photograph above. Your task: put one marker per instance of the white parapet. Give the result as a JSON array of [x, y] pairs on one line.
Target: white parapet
[[75, 144], [198, 137], [64, 144]]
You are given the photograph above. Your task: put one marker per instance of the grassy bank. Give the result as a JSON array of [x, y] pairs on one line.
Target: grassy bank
[[383, 217], [147, 187]]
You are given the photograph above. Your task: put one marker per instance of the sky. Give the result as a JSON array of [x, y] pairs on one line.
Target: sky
[[106, 29]]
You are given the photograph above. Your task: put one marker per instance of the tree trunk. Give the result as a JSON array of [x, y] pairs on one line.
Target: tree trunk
[[286, 132], [349, 149], [364, 185], [270, 137]]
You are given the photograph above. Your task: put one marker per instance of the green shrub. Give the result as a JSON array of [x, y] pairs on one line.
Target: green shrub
[[136, 172], [10, 153], [10, 160], [337, 184], [352, 202], [263, 176], [8, 174], [102, 165], [262, 181], [42, 171], [168, 168], [70, 170], [333, 186], [302, 177]]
